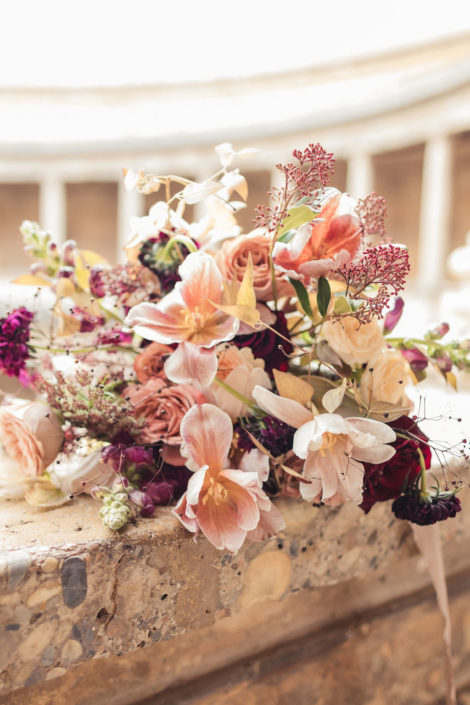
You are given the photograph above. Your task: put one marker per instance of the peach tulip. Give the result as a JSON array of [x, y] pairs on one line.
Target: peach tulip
[[226, 505], [330, 241], [188, 316]]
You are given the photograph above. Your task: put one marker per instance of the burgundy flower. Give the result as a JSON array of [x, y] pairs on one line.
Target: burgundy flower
[[161, 490], [14, 337], [412, 507], [388, 480], [265, 344], [120, 456]]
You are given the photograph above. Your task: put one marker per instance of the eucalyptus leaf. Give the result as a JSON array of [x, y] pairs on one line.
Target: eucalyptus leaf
[[302, 295], [323, 295]]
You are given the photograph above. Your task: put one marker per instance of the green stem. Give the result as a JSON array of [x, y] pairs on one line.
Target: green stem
[[234, 393], [423, 471]]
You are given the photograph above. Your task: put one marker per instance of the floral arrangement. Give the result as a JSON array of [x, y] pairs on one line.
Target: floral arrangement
[[215, 370]]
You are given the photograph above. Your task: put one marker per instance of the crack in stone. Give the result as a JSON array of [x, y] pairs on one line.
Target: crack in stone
[[112, 597]]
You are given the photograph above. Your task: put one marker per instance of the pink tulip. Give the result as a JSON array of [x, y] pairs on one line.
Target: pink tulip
[[188, 316], [226, 505]]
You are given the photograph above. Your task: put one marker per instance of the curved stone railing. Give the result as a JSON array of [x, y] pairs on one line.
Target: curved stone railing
[[73, 593]]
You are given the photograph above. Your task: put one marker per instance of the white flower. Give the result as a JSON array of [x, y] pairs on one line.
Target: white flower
[[333, 448]]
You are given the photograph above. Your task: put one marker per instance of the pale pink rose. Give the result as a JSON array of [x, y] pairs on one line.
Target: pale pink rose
[[232, 260], [149, 363], [355, 343], [226, 505], [163, 406], [241, 371], [188, 315], [31, 435], [385, 379], [332, 447]]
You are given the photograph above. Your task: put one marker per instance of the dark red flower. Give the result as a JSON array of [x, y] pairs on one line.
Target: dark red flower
[[265, 344], [388, 480]]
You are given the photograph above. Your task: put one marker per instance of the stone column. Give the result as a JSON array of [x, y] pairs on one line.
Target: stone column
[[360, 175], [434, 230], [130, 204], [53, 207]]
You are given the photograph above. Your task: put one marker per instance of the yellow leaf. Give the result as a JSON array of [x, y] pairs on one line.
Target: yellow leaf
[[246, 295], [292, 387], [31, 280], [91, 258], [452, 380], [46, 495], [296, 474], [84, 260], [243, 313], [65, 287]]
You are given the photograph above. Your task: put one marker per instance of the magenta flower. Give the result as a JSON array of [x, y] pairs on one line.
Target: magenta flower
[[14, 337], [394, 315], [418, 360]]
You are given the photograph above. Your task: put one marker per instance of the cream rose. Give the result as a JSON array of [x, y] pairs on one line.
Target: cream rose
[[232, 259], [385, 378], [355, 343]]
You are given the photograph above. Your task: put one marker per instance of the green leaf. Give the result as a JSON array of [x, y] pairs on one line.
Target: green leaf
[[296, 217], [286, 237], [342, 305], [302, 295], [323, 295]]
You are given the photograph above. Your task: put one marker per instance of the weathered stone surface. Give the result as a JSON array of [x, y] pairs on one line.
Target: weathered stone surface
[[81, 593], [353, 643]]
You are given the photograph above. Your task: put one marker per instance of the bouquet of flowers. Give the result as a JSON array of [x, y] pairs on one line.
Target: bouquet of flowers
[[216, 369]]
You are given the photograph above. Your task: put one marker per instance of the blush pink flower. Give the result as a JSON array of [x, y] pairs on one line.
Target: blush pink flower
[[226, 505], [333, 448], [240, 370], [163, 407], [149, 363], [188, 316], [330, 241], [232, 260], [31, 435]]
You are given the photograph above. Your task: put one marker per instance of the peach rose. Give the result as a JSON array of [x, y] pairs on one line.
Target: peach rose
[[31, 435], [149, 363], [355, 343], [238, 368], [232, 259], [385, 379], [163, 405]]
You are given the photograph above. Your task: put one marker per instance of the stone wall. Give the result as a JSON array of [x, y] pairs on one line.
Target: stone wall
[[338, 609]]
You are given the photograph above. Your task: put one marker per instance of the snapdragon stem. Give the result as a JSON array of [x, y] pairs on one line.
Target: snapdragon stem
[[234, 393]]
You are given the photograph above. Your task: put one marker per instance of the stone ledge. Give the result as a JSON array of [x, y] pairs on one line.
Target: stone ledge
[[71, 592]]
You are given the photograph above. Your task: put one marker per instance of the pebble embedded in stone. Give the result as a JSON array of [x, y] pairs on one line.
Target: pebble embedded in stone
[[74, 581]]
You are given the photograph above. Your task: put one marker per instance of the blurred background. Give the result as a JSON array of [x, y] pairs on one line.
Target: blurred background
[[88, 89]]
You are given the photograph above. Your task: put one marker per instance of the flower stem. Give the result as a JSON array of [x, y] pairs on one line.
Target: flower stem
[[234, 393], [423, 471]]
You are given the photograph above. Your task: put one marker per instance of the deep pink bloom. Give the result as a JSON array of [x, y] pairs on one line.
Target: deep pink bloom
[[394, 315], [14, 338], [418, 360]]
